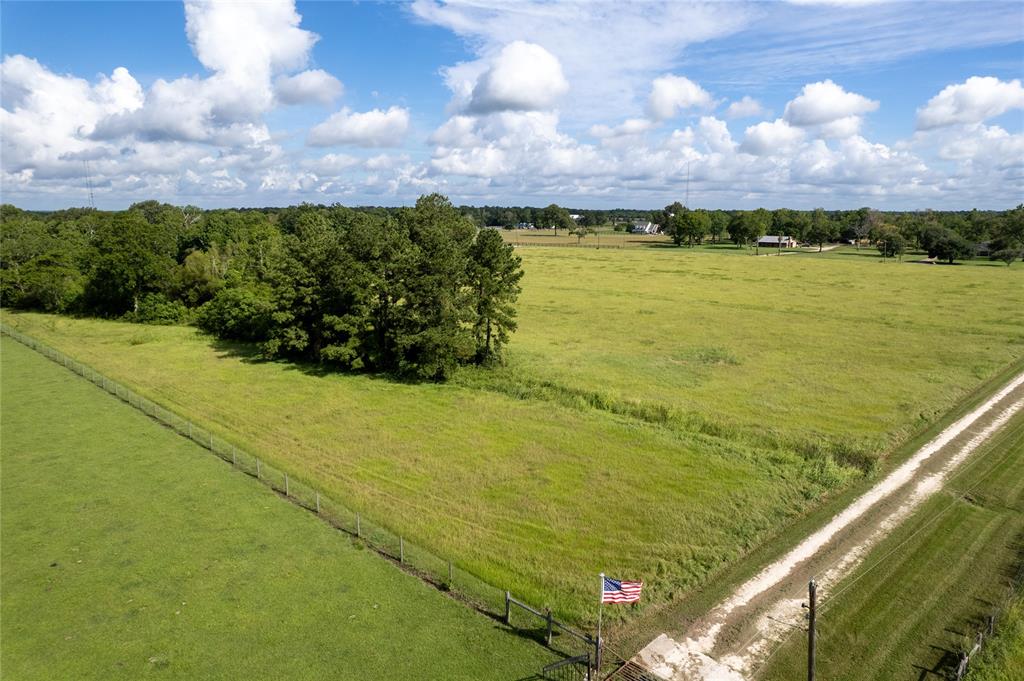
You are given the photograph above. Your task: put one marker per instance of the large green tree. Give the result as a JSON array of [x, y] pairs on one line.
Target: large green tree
[[494, 274]]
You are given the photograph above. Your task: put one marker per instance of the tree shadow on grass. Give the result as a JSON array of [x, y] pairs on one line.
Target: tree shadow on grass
[[250, 353]]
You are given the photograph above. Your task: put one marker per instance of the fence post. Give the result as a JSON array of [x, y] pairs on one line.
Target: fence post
[[257, 468], [549, 627], [401, 549], [508, 609], [318, 503], [358, 528], [450, 580], [211, 442], [189, 430], [286, 485], [234, 455]]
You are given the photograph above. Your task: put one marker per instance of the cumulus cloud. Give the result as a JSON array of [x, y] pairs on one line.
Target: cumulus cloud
[[632, 126], [671, 93], [747, 107], [768, 138], [375, 128], [825, 102], [244, 44], [308, 86], [715, 134], [973, 101], [521, 77]]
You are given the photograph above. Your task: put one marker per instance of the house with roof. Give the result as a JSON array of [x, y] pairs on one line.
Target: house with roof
[[774, 241]]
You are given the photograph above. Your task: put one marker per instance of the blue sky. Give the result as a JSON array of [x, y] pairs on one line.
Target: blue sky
[[801, 104]]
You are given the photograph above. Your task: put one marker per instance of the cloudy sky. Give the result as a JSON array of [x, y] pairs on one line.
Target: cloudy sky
[[587, 104]]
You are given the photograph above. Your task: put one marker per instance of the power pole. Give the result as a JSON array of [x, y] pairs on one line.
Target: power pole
[[812, 592], [88, 182]]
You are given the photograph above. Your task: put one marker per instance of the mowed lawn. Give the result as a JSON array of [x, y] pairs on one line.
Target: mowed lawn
[[654, 420], [130, 553], [923, 594]]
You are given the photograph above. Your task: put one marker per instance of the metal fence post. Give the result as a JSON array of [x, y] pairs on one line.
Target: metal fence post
[[234, 455], [358, 528], [286, 484], [508, 609], [401, 549], [257, 468], [450, 580], [549, 627], [318, 503]]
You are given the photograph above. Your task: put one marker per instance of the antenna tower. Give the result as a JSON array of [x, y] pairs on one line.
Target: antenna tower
[[687, 204], [88, 182]]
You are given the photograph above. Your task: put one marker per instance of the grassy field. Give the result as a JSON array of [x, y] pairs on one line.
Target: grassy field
[[923, 593], [663, 411], [130, 553]]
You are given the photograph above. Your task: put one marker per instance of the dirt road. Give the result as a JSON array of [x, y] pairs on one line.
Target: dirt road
[[731, 641]]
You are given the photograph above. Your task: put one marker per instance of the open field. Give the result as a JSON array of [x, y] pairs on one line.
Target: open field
[[922, 594], [129, 552], [662, 413]]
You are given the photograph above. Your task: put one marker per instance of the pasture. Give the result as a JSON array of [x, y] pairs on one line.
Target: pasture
[[662, 412], [129, 552]]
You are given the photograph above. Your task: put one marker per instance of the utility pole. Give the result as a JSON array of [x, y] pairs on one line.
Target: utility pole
[[812, 592]]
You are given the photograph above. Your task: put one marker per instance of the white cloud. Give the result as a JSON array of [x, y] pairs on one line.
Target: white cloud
[[825, 102], [770, 138], [747, 107], [973, 101], [848, 126], [245, 44], [631, 126], [671, 93], [308, 86], [375, 128], [521, 77], [609, 52], [715, 134]]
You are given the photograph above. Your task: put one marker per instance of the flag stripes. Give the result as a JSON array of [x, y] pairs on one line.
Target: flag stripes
[[617, 591]]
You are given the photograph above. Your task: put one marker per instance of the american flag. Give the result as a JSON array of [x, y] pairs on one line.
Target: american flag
[[616, 591]]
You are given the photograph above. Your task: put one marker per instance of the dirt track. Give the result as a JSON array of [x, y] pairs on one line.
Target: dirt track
[[733, 638]]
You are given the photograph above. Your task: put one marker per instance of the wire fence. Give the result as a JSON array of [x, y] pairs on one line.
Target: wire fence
[[445, 575]]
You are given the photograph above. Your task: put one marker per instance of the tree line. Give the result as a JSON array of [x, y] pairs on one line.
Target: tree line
[[415, 292], [945, 235]]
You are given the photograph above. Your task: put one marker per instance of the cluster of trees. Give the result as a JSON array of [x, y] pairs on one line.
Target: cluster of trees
[[947, 236], [412, 291]]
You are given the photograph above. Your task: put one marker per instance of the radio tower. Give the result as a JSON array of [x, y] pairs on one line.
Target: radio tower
[[88, 182]]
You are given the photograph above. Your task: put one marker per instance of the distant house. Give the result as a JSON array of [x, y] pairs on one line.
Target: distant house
[[773, 241], [575, 217], [643, 227], [525, 225]]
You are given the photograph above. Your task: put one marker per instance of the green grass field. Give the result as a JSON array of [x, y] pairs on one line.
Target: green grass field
[[131, 553], [922, 594], [663, 412]]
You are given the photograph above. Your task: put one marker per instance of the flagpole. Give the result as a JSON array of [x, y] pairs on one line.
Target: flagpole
[[600, 611]]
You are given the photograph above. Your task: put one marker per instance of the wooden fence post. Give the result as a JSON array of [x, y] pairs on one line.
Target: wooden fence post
[[358, 527], [257, 468], [318, 503], [549, 627], [508, 609], [286, 484], [401, 549], [450, 580]]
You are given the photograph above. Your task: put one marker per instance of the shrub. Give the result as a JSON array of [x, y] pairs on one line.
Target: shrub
[[241, 313], [156, 308]]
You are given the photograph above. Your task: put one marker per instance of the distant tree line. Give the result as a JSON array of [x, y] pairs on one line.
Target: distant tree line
[[412, 291], [945, 235]]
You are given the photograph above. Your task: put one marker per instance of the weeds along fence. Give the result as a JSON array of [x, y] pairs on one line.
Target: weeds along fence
[[989, 628], [443, 574]]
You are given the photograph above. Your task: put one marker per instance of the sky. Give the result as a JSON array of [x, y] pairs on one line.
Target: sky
[[805, 103]]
